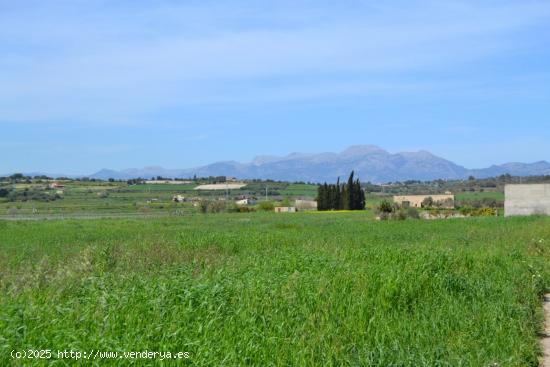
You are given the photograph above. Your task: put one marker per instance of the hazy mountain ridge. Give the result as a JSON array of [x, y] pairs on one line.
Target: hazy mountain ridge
[[371, 163]]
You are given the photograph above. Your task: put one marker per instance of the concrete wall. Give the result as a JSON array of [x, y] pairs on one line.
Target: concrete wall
[[305, 204], [285, 209], [528, 199]]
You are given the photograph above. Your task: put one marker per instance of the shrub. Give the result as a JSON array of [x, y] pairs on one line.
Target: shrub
[[400, 214], [245, 209], [466, 210], [212, 206], [413, 213], [33, 194], [427, 202], [478, 212], [203, 206], [385, 206], [484, 212], [286, 202], [217, 206], [266, 206]]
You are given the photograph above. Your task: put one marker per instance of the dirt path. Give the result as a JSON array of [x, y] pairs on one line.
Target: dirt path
[[546, 333]]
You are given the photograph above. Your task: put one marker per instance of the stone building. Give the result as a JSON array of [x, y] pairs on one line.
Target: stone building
[[415, 201]]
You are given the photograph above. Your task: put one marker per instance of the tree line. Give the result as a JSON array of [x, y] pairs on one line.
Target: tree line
[[347, 196]]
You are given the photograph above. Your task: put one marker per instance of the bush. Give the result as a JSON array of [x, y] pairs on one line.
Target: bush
[[398, 213], [413, 213], [217, 206], [203, 206], [401, 214], [285, 202], [385, 206], [245, 209], [33, 194], [212, 206], [481, 203], [484, 212], [427, 202], [466, 210], [478, 212], [266, 206]]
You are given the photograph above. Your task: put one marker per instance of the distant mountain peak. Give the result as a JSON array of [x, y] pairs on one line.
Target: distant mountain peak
[[363, 150], [370, 163], [417, 154], [262, 159]]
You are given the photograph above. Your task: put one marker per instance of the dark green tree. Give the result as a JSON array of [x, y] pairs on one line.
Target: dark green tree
[[336, 200], [348, 196]]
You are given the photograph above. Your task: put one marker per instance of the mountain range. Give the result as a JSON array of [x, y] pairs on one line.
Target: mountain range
[[371, 163]]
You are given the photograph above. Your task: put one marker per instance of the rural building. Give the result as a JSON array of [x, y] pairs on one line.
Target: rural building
[[285, 209], [55, 185], [527, 199], [415, 201], [245, 201], [178, 198], [305, 204]]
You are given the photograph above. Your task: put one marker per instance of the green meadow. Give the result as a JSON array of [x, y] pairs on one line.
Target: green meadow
[[265, 289], [100, 199], [496, 195]]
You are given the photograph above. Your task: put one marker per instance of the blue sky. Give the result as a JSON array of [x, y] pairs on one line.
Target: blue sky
[[87, 84]]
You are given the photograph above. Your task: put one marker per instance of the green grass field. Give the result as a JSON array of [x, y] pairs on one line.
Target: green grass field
[[118, 198], [480, 195], [286, 290], [304, 190], [180, 188]]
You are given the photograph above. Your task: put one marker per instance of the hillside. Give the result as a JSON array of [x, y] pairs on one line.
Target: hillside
[[371, 163]]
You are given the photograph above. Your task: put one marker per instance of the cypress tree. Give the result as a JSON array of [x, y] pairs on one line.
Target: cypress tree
[[330, 196], [321, 197], [361, 196], [344, 198], [326, 195], [321, 203], [349, 194], [336, 199]]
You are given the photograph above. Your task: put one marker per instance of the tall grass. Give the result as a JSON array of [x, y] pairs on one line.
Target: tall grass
[[268, 289]]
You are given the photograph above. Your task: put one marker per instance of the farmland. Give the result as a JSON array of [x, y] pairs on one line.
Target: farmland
[[101, 198], [496, 195], [268, 289], [31, 198]]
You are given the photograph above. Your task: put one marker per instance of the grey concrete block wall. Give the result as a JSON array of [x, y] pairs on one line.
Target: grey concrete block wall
[[528, 199]]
